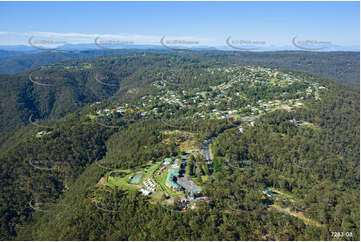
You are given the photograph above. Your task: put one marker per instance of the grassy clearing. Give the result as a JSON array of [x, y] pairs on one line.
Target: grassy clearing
[[298, 215], [236, 116], [87, 66], [205, 178], [186, 141], [91, 116], [159, 179], [273, 80], [149, 171], [120, 181], [189, 145], [284, 195], [310, 125]]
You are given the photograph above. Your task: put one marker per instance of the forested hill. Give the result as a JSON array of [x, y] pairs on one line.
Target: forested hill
[[74, 81], [291, 132], [12, 62], [340, 66], [51, 91]]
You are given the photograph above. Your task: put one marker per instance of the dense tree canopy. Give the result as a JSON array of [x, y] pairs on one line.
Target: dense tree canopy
[[50, 185]]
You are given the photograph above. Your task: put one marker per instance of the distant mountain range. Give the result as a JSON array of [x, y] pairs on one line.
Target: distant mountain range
[[93, 46]]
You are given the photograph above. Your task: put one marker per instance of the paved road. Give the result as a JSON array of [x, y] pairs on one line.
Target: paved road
[[205, 149], [205, 152]]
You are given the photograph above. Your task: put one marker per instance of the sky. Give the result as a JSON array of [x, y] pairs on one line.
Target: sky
[[207, 23]]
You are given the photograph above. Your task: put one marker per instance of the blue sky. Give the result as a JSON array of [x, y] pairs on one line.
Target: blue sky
[[209, 22]]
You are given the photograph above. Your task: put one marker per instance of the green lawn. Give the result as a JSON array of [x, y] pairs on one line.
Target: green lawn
[[204, 178], [282, 194], [236, 116], [273, 80], [91, 116], [86, 67], [213, 116], [149, 171], [120, 181]]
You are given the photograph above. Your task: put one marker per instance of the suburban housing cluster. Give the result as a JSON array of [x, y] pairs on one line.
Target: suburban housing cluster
[[232, 99]]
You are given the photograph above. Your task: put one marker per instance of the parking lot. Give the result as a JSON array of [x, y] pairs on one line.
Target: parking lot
[[187, 184]]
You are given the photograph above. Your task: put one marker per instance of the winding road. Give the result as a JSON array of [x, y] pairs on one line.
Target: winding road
[[205, 151]]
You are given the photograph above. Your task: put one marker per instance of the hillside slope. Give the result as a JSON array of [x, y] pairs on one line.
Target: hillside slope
[[305, 144]]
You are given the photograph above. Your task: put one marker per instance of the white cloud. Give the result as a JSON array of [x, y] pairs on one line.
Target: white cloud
[[77, 38]]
